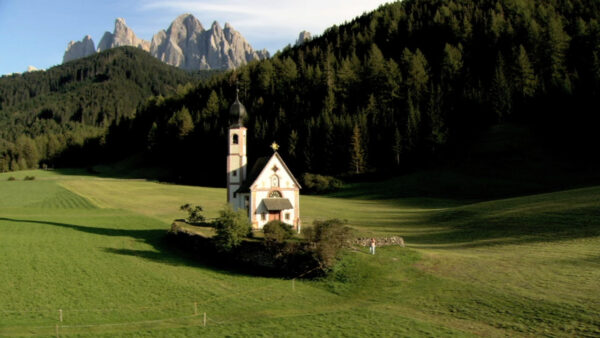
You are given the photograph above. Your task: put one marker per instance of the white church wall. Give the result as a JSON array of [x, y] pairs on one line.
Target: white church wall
[[267, 181]]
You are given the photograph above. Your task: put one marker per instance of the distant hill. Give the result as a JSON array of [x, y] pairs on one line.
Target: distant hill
[[79, 99]]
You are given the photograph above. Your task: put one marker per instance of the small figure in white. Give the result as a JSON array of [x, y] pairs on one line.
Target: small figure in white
[[372, 246]]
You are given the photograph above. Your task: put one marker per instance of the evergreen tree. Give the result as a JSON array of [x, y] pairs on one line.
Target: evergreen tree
[[556, 45], [358, 153], [397, 147], [501, 96], [181, 123], [153, 138], [526, 81], [212, 106], [452, 63], [28, 152]]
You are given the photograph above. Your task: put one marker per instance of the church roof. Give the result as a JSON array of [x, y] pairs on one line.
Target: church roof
[[277, 204], [258, 168], [237, 113]]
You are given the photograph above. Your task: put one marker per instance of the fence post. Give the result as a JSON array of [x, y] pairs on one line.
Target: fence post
[[293, 284], [204, 319], [60, 315], [195, 308], [57, 336]]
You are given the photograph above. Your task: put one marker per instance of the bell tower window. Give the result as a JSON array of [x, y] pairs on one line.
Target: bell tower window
[[236, 139]]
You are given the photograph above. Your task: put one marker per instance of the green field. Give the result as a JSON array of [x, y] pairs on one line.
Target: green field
[[92, 247]]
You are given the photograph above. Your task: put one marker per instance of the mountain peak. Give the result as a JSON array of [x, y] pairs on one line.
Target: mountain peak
[[302, 38], [32, 69], [120, 22], [185, 44], [188, 21], [184, 16], [215, 26], [122, 36], [79, 49]]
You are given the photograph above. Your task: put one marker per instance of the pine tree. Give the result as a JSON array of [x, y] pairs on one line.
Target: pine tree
[[28, 152], [526, 81], [397, 147], [181, 123], [293, 144], [452, 63], [501, 96], [557, 43], [212, 106], [418, 74], [153, 136], [358, 153]]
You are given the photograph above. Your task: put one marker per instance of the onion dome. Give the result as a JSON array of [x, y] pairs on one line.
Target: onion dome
[[237, 112]]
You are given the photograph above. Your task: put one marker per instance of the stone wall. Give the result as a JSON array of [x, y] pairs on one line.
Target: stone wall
[[380, 241]]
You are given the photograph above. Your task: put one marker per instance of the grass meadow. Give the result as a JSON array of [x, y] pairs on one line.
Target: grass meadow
[[92, 247]]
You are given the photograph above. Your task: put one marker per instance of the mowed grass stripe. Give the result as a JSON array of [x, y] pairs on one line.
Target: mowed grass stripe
[[64, 199], [161, 201]]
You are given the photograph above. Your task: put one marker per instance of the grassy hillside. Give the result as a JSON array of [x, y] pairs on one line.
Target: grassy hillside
[[92, 247]]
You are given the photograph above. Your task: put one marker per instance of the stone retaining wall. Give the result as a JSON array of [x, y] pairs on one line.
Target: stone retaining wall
[[380, 241]]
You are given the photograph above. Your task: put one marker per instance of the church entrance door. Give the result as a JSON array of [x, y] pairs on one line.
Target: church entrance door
[[274, 216]]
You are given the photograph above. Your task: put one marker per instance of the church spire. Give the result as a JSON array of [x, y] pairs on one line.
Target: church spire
[[237, 112]]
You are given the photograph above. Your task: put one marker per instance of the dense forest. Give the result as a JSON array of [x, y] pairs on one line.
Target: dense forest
[[392, 89], [44, 112]]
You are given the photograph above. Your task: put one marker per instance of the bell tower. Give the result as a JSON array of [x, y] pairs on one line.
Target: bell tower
[[237, 160]]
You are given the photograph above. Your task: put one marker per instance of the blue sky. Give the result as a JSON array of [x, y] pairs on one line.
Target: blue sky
[[36, 32]]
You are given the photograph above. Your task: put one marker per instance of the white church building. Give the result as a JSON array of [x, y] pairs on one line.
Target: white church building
[[270, 191]]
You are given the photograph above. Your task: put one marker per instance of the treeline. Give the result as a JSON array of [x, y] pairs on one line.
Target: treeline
[[43, 113], [394, 88]]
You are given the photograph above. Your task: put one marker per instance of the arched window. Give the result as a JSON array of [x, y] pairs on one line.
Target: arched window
[[274, 181], [236, 139], [275, 194]]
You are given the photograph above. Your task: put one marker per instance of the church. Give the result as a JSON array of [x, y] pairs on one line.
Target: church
[[270, 191]]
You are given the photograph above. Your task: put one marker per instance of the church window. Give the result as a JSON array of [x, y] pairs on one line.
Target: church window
[[274, 181], [236, 139], [275, 194], [263, 216], [287, 216]]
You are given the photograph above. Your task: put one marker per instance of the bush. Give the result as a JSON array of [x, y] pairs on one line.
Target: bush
[[29, 178], [319, 184], [194, 213], [12, 178], [277, 231], [231, 228], [327, 239]]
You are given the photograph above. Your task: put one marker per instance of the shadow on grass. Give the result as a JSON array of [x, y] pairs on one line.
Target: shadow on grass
[[502, 224], [163, 253], [135, 168]]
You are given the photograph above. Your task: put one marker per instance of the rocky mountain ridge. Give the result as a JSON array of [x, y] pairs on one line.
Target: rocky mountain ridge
[[122, 36], [79, 49], [302, 38], [185, 44]]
